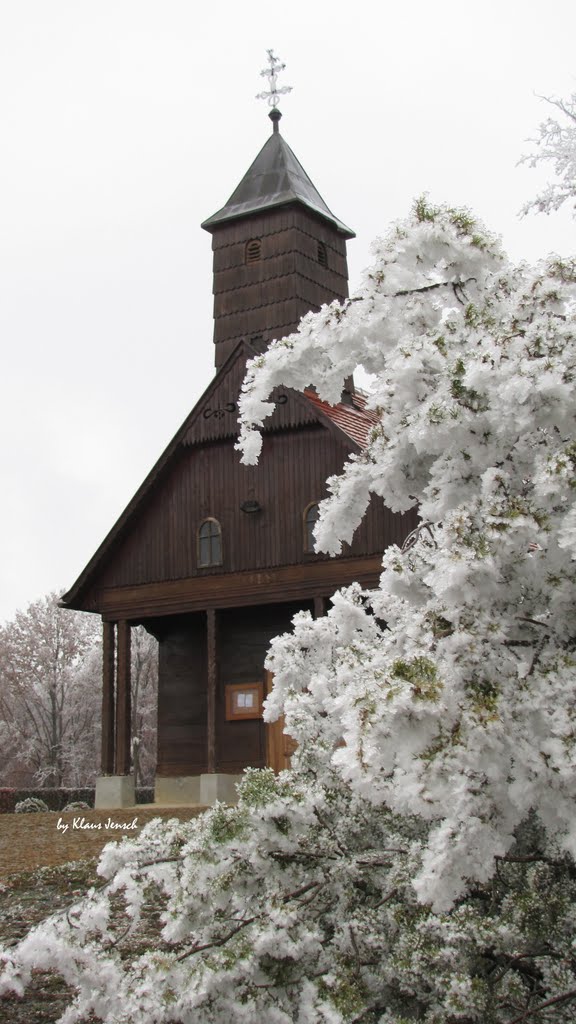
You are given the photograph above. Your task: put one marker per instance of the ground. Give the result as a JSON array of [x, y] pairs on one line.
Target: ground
[[43, 868]]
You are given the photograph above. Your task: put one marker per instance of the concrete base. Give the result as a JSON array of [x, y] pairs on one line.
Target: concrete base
[[196, 789], [219, 787], [114, 791], [177, 789]]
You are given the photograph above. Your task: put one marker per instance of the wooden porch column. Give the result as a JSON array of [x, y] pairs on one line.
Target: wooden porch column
[[123, 695], [108, 698], [319, 607], [212, 681]]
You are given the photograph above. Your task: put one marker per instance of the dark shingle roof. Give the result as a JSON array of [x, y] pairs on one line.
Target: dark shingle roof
[[275, 178]]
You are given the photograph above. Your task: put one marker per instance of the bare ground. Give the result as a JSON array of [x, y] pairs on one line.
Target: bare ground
[[29, 841], [43, 868]]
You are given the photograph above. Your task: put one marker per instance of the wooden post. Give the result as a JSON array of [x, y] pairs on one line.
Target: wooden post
[[319, 607], [108, 698], [123, 695], [212, 681]]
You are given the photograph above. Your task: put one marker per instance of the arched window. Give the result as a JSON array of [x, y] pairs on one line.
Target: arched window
[[209, 543], [311, 513], [322, 254], [253, 250]]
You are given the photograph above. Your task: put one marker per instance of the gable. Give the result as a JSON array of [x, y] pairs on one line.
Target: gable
[[200, 475], [159, 542], [215, 416]]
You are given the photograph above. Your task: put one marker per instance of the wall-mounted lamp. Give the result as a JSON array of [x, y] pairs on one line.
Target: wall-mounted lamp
[[250, 506]]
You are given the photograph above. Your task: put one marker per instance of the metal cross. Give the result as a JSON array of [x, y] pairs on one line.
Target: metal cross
[[271, 73]]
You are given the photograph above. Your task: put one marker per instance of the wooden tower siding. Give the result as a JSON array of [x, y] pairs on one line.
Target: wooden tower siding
[[265, 299]]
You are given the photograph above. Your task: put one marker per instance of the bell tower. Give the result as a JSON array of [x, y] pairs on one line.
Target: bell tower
[[279, 251]]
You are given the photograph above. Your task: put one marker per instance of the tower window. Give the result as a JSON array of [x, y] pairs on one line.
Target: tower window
[[311, 514], [209, 543], [253, 250], [322, 255]]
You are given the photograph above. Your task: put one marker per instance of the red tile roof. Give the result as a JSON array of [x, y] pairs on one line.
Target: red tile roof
[[355, 420]]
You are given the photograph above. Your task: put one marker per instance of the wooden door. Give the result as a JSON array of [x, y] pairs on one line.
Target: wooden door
[[279, 746]]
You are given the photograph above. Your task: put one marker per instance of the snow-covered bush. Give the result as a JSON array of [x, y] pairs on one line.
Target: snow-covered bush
[[32, 805], [76, 805], [417, 863]]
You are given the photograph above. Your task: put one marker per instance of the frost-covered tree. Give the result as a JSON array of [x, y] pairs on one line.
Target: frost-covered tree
[[556, 144], [417, 862], [48, 695]]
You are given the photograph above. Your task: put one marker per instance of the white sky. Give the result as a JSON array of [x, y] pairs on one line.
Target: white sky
[[125, 123]]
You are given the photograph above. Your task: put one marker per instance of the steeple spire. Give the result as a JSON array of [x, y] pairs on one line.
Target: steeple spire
[[275, 178], [279, 251]]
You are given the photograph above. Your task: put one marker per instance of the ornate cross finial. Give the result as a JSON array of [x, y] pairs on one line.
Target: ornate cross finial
[[274, 93]]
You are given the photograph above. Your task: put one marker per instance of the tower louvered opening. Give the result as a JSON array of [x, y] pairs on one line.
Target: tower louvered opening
[[253, 250]]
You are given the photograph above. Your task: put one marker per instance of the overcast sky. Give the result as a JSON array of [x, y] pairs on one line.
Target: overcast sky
[[125, 123]]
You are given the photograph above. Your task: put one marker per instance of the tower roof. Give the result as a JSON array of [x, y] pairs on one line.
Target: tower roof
[[275, 178]]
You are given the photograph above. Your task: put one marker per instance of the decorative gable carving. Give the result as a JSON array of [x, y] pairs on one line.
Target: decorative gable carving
[[216, 415]]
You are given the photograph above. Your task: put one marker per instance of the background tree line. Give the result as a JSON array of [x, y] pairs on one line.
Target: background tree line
[[50, 698]]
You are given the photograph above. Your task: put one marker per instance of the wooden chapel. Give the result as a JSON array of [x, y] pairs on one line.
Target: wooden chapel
[[212, 557]]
